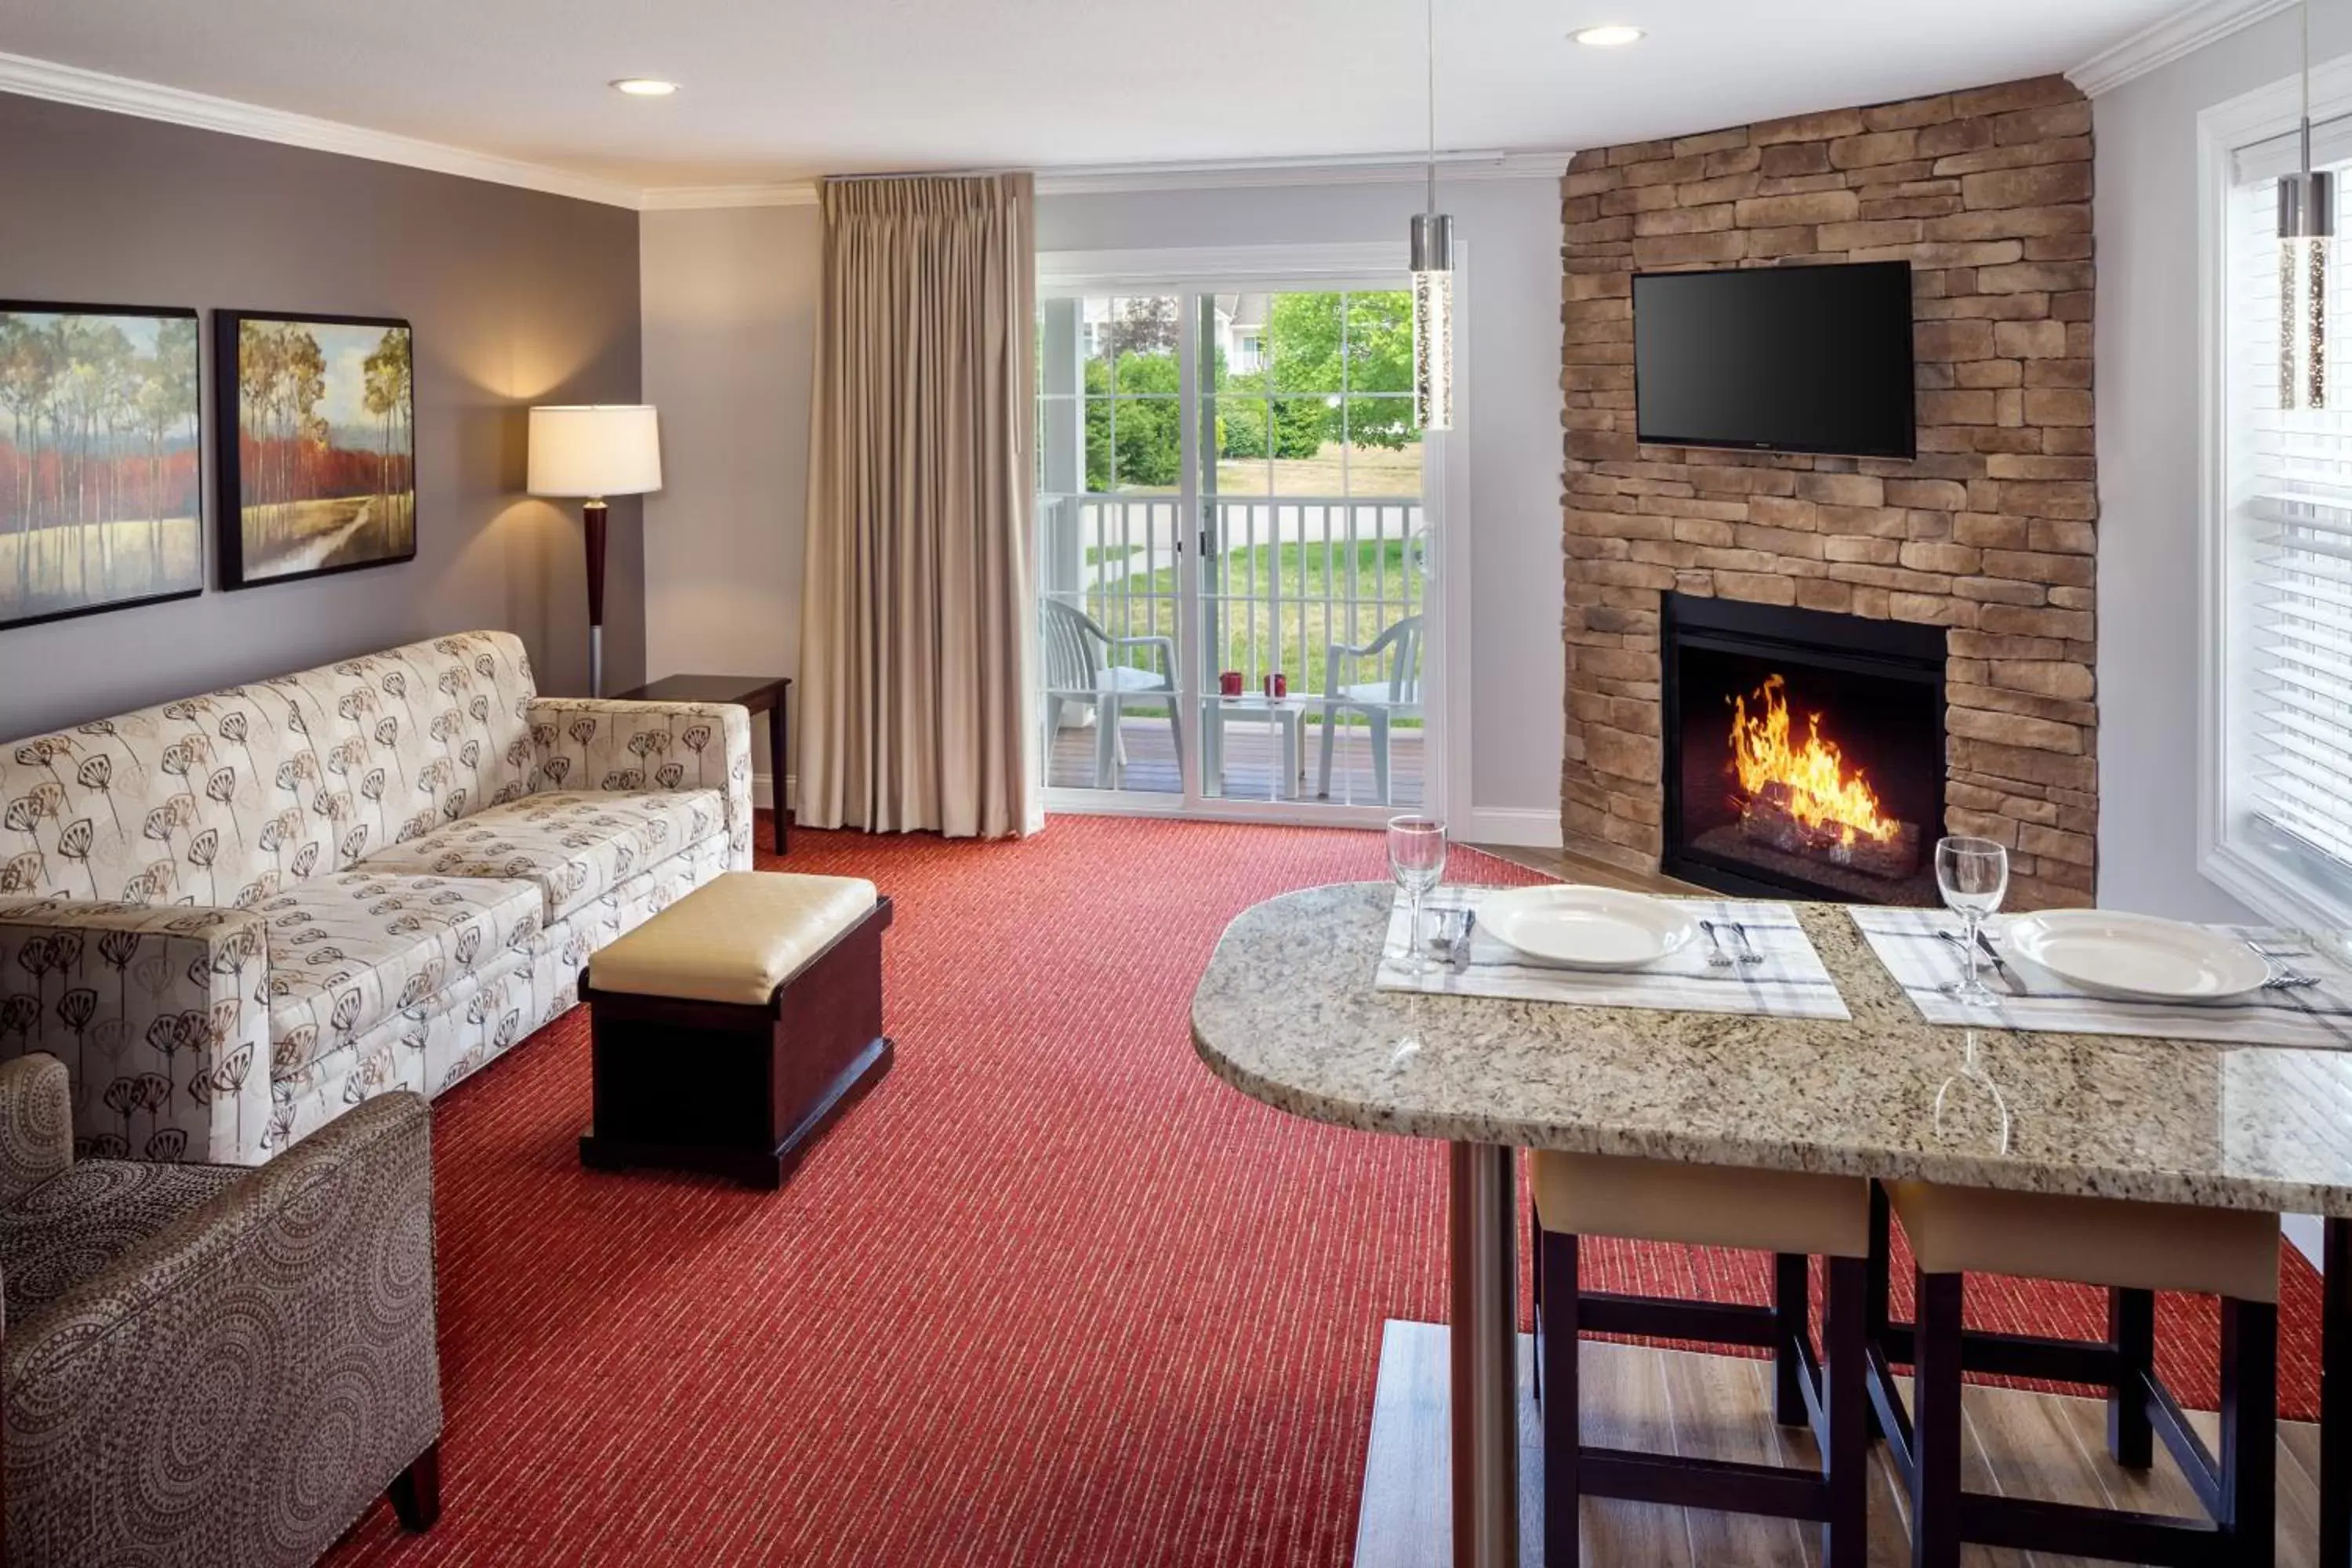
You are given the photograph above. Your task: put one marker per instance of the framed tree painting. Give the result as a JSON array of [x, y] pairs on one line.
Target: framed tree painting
[[322, 475], [101, 451]]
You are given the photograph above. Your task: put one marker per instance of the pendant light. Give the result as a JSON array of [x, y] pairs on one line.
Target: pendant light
[[1433, 284], [2306, 224]]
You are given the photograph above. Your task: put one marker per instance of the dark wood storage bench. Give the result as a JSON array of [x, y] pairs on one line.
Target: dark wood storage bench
[[732, 1028]]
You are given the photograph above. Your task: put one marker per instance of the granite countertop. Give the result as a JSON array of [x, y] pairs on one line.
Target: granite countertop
[[1287, 1013]]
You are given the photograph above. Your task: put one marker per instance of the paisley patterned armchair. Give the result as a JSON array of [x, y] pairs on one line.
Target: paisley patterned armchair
[[235, 915], [211, 1364]]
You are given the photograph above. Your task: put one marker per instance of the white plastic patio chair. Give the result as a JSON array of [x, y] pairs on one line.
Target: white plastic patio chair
[[1078, 670], [1397, 697]]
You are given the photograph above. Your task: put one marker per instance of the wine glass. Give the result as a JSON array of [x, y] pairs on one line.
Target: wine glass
[[1973, 875], [1417, 860]]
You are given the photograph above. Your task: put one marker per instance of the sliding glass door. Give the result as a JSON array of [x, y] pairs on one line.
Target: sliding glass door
[[1234, 553]]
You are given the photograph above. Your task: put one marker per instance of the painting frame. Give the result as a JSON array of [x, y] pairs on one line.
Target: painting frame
[[12, 309], [237, 567]]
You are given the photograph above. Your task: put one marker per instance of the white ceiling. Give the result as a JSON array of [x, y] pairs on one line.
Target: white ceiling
[[777, 90]]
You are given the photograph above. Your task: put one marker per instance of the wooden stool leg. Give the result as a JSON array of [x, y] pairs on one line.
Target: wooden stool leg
[[1535, 1284], [1792, 1322], [2131, 1328], [1882, 1262], [1874, 1313], [2336, 1395], [415, 1492], [1935, 1422], [2249, 1453], [1562, 1436], [1845, 1405]]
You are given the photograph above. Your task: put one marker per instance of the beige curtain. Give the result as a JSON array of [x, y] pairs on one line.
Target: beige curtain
[[917, 603]]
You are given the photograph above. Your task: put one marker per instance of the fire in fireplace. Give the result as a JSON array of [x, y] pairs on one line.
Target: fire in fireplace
[[1805, 751]]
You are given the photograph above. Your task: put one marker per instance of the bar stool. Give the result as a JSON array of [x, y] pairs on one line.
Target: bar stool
[[1788, 1213], [2131, 1249]]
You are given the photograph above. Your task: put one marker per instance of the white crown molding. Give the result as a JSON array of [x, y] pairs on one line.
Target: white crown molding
[[2182, 32], [1109, 179], [120, 95], [695, 198]]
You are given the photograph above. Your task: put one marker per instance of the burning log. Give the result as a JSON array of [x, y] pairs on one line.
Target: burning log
[[1768, 818]]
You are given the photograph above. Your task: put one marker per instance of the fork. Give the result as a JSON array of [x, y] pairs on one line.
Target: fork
[[2283, 977], [1748, 952], [1720, 960]]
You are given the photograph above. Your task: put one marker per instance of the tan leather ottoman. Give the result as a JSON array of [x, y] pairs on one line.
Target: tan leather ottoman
[[732, 1027]]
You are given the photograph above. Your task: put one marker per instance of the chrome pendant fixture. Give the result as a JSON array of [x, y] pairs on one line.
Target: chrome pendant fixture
[[1433, 284], [2306, 230]]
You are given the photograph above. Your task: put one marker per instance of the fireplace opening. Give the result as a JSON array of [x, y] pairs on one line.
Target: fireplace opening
[[1804, 751]]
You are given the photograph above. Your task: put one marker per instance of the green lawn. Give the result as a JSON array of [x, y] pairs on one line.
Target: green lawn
[[1311, 583]]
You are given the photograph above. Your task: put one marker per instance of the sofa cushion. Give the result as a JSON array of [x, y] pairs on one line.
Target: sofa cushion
[[418, 736], [225, 797], [217, 799], [71, 1227], [349, 951], [576, 847]]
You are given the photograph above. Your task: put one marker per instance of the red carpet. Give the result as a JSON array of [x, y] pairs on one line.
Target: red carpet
[[1052, 1295]]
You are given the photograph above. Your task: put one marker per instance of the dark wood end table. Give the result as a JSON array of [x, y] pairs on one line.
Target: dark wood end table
[[760, 693]]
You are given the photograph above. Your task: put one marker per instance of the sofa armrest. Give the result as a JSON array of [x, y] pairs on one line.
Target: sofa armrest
[[586, 744], [285, 1326], [160, 1015], [36, 1123]]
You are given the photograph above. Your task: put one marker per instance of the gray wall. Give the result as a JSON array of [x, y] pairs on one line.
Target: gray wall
[[731, 313], [2149, 658], [517, 298]]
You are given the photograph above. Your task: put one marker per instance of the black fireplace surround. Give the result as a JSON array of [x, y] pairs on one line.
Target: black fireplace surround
[[1877, 688]]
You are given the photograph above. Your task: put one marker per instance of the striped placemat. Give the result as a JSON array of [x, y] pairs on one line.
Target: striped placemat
[[1791, 982], [2031, 998]]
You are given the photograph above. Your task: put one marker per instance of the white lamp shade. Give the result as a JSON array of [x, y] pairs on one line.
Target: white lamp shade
[[598, 449]]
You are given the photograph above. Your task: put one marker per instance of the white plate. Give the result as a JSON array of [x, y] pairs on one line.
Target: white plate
[[2137, 957], [1586, 928]]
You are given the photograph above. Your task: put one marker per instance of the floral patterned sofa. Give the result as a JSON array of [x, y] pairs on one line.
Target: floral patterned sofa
[[234, 916]]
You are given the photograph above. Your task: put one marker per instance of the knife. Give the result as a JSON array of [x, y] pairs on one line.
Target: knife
[[1999, 967], [1959, 947], [1460, 957]]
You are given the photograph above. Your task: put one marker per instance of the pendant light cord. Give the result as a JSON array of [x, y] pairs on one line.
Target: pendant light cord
[[2304, 14], [1429, 14]]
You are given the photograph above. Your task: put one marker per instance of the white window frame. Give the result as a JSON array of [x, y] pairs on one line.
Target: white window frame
[[1222, 269], [2288, 889]]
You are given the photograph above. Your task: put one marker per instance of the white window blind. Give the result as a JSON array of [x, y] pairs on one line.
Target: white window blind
[[2290, 520]]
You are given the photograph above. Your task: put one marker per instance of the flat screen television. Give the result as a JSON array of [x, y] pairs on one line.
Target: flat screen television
[[1777, 359]]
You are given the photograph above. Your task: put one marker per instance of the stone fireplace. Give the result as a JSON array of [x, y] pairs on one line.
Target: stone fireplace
[[1976, 560]]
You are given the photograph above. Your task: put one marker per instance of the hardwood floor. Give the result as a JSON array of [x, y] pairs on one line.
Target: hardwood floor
[[2032, 1445]]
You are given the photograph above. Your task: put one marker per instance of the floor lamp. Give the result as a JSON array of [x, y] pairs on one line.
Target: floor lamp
[[592, 451]]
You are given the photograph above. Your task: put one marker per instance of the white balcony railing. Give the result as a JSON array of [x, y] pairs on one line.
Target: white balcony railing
[[1283, 578]]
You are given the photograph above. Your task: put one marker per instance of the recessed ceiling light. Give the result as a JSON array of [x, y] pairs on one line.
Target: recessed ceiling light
[[1612, 35], [644, 86]]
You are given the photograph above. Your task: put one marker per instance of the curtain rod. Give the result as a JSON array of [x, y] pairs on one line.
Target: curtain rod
[[2293, 132], [924, 175]]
